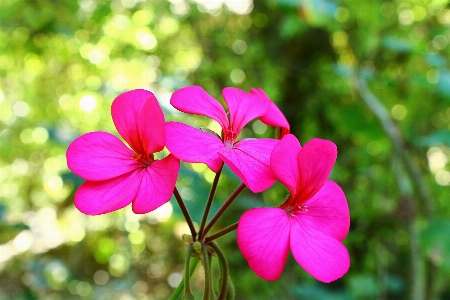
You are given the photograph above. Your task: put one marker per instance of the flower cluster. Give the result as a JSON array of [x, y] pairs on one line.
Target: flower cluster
[[312, 221]]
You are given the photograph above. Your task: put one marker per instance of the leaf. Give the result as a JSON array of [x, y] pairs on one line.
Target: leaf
[[435, 243], [435, 60], [291, 27], [444, 83], [364, 286], [293, 3], [318, 292], [439, 137], [397, 44]]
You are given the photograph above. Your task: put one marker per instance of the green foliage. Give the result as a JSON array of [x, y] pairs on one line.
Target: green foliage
[[435, 242], [62, 63]]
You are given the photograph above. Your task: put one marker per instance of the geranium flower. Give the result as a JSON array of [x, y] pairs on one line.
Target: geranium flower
[[311, 223], [117, 175], [249, 159]]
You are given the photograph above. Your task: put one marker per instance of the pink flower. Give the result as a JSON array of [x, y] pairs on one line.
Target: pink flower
[[249, 159], [117, 175], [311, 223]]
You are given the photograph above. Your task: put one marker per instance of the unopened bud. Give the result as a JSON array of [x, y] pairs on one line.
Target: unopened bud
[[187, 239], [231, 292], [197, 246]]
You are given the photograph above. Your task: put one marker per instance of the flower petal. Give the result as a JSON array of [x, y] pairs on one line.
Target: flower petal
[[195, 100], [152, 126], [99, 156], [322, 256], [249, 160], [284, 162], [100, 197], [327, 211], [192, 145], [243, 107], [263, 238], [274, 116], [157, 184], [139, 120], [315, 161]]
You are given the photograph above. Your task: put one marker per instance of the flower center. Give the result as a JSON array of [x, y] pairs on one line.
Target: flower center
[[229, 137], [143, 160], [291, 207], [291, 210]]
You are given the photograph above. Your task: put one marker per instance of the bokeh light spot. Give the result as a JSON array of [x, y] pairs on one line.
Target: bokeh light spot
[[20, 166], [237, 76], [259, 127], [88, 103], [398, 112], [39, 135], [239, 47], [433, 76], [23, 241], [142, 17], [341, 14], [436, 159], [121, 22], [21, 109], [406, 17], [373, 148], [174, 279], [162, 213], [339, 39], [101, 277]]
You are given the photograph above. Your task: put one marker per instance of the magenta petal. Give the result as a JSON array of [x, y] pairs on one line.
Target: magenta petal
[[274, 116], [263, 238], [284, 162], [192, 145], [322, 256], [152, 126], [250, 160], [99, 156], [139, 120], [327, 211], [157, 184], [100, 197], [315, 161], [195, 100], [243, 107]]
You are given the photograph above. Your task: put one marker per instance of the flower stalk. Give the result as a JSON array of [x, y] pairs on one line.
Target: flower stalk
[[189, 270], [227, 203], [187, 274], [223, 270], [220, 233], [209, 202], [206, 266], [185, 212]]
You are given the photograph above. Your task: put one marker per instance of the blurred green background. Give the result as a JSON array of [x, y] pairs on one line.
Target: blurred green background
[[372, 76]]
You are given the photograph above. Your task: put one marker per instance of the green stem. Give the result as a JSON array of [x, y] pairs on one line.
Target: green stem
[[177, 292], [223, 208], [224, 270], [207, 292], [209, 202], [185, 212], [219, 233], [187, 284]]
